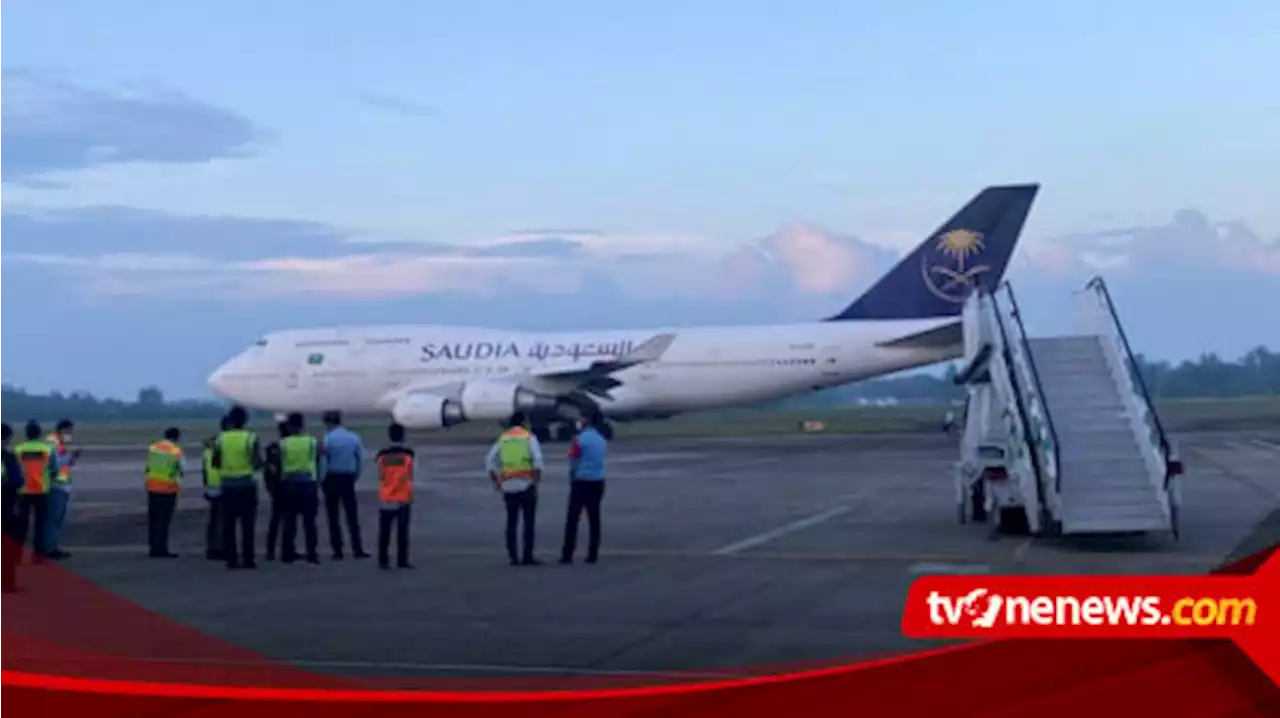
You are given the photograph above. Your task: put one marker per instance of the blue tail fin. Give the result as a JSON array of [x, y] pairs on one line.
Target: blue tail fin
[[970, 250]]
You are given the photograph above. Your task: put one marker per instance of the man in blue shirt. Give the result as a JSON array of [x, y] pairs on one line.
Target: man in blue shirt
[[343, 460], [586, 488]]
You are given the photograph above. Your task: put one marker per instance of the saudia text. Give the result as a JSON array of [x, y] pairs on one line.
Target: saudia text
[[469, 351]]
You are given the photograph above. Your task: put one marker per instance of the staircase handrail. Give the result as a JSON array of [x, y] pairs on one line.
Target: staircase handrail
[[1017, 397], [1039, 386], [1100, 286]]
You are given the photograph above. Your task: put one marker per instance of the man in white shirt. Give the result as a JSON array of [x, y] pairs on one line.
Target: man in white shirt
[[515, 465]]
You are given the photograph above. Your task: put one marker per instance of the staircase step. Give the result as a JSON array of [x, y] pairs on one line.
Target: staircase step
[[1109, 524], [1077, 465]]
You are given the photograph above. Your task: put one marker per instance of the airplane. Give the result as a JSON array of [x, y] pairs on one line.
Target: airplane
[[433, 377]]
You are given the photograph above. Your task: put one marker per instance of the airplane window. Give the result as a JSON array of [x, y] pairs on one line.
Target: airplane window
[[261, 343]]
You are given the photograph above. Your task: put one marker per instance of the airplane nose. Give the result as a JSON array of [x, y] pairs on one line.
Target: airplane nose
[[218, 380]]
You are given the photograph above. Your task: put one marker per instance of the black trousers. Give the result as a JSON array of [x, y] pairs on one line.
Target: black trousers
[[32, 506], [9, 548], [301, 501], [522, 505], [583, 496], [239, 511], [213, 530], [399, 519], [160, 508], [277, 502], [340, 490]]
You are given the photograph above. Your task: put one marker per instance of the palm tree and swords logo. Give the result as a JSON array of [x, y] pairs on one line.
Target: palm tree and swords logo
[[953, 283]]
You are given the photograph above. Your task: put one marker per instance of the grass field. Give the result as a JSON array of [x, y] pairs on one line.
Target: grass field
[[1177, 415]]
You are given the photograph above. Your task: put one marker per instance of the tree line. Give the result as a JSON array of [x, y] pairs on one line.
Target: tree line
[[1257, 373]]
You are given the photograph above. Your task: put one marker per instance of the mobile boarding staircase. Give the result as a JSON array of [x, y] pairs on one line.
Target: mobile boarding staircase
[[1061, 436]]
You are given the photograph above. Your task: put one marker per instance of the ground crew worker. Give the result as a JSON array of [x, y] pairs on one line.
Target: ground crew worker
[[12, 481], [343, 462], [238, 458], [300, 473], [271, 478], [60, 495], [39, 464], [164, 474], [214, 549], [515, 466], [397, 470], [586, 488]]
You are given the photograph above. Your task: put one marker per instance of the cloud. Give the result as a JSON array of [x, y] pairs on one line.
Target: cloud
[[52, 125], [220, 281], [114, 251], [397, 104], [1189, 240]]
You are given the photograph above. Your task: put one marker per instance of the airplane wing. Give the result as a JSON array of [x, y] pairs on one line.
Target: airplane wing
[[594, 378], [650, 350], [950, 334]]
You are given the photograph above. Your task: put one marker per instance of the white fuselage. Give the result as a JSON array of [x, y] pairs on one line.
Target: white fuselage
[[363, 369]]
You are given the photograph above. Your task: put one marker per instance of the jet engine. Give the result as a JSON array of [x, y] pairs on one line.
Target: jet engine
[[495, 400], [427, 411]]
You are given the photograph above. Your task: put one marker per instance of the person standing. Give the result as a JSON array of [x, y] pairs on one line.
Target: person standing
[[12, 482], [39, 464], [214, 549], [299, 470], [586, 488], [60, 494], [238, 458], [271, 478], [397, 471], [164, 475], [343, 462], [514, 464]]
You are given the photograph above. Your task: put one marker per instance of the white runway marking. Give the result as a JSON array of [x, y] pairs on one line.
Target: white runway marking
[[948, 568], [772, 534], [655, 456], [1269, 445]]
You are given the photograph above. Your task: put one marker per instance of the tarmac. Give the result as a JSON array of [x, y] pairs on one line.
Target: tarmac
[[718, 554]]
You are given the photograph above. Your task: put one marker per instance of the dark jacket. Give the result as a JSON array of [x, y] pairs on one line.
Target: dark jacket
[[12, 481], [271, 466]]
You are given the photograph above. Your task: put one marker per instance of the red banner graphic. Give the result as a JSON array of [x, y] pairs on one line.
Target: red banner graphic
[[101, 660], [1244, 609]]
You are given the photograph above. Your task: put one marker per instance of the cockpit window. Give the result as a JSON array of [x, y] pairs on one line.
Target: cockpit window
[[261, 343]]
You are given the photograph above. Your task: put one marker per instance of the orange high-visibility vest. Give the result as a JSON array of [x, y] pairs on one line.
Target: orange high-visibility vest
[[395, 476], [35, 456], [164, 467]]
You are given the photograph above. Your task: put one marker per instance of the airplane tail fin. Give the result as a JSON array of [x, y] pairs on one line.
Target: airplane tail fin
[[970, 250]]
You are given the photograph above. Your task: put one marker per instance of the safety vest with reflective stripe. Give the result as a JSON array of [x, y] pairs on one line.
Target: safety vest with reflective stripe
[[212, 477], [35, 458], [236, 448], [164, 467], [64, 458], [515, 455], [298, 456], [395, 476]]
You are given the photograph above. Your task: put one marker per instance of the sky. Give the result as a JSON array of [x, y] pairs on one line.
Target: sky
[[180, 177]]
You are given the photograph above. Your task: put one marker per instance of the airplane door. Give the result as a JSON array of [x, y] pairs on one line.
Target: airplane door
[[829, 360]]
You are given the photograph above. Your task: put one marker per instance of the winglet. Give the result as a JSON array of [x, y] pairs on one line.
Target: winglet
[[651, 349]]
